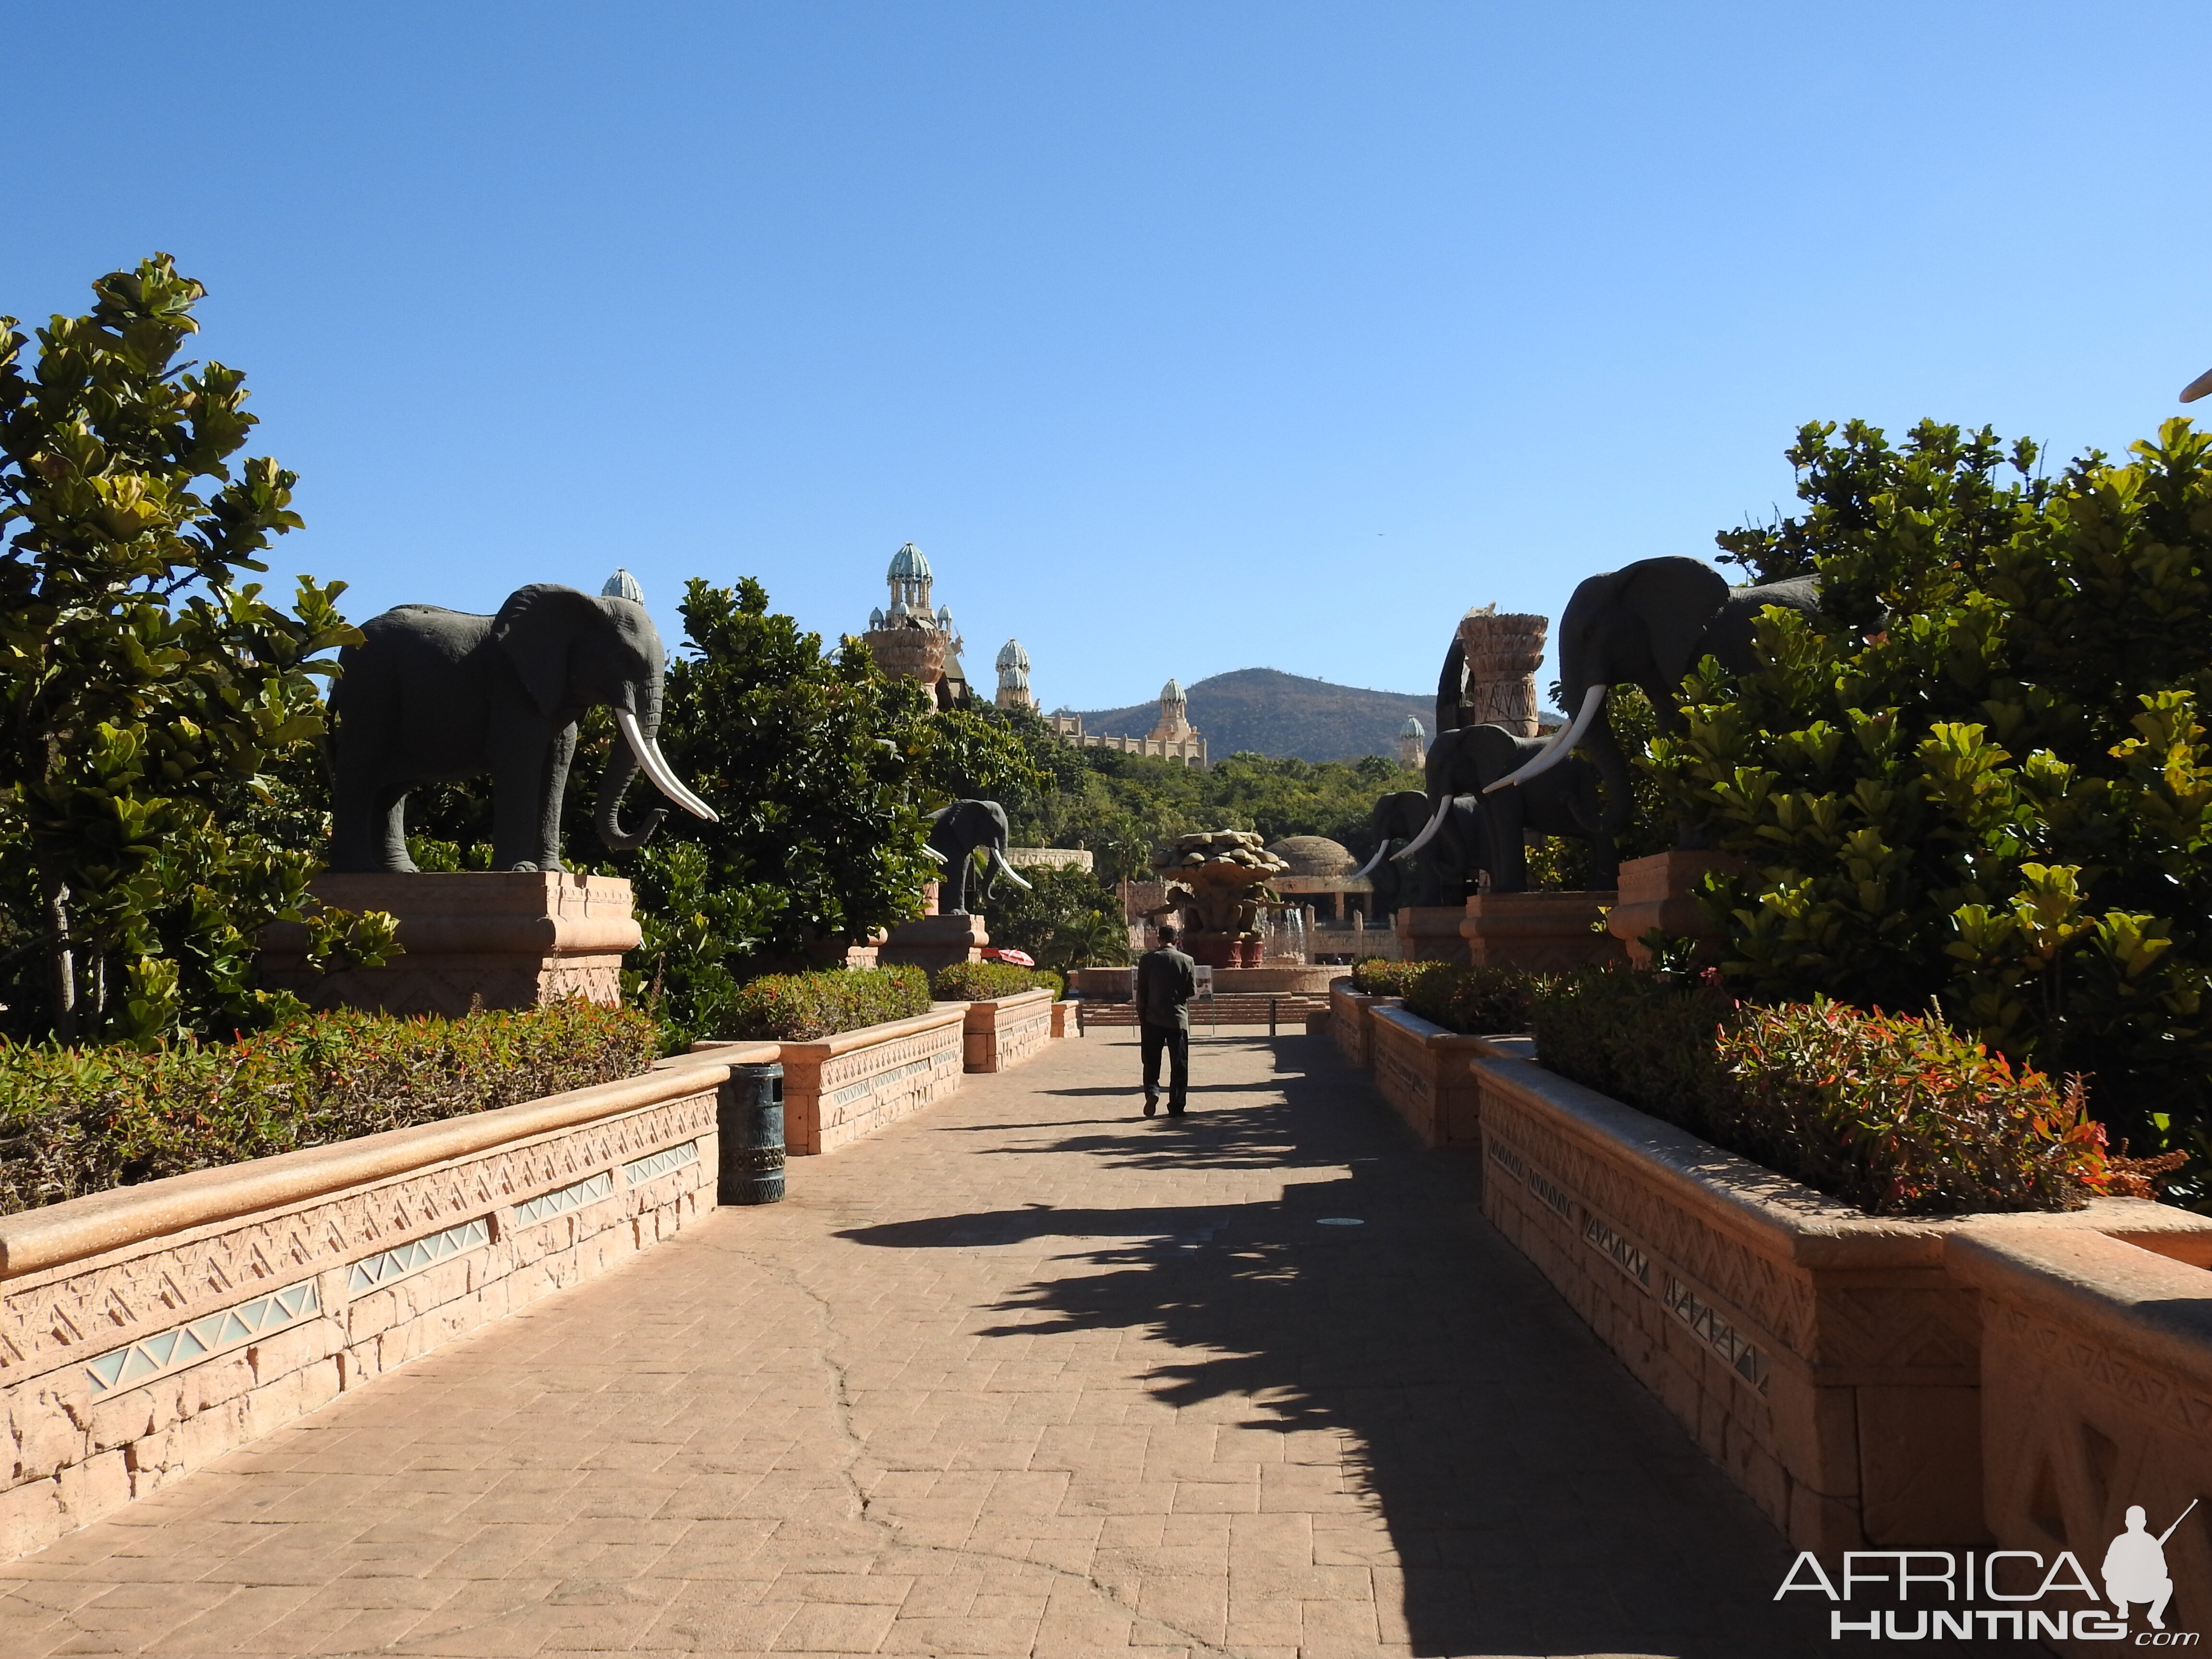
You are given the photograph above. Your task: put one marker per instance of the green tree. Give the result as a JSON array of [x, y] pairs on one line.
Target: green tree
[[1979, 775], [1067, 919], [162, 719], [813, 760]]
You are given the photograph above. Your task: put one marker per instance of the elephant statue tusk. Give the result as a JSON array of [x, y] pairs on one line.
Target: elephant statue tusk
[[2197, 387], [1560, 746], [648, 757], [1009, 872], [934, 854], [1428, 834], [1360, 874]]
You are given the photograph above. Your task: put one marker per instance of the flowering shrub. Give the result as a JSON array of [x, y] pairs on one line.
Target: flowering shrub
[[1900, 1115], [805, 1007], [979, 982], [74, 1121]]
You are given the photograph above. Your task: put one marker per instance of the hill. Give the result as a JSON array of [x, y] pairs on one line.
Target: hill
[[1271, 712]]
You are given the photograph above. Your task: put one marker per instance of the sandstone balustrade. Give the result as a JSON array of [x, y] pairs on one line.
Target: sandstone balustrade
[[1422, 1070], [2096, 1394], [1349, 1016], [1001, 1032], [147, 1330], [1834, 1364]]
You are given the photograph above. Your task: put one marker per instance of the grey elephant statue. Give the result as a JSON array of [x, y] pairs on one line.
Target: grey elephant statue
[[1442, 868], [432, 696], [957, 834], [1564, 799], [1647, 624]]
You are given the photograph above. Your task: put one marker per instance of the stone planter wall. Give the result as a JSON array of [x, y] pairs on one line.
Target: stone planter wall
[[1423, 1070], [1002, 1032], [2096, 1394], [1829, 1361], [1061, 1015], [147, 1330], [1349, 1018], [846, 1087]]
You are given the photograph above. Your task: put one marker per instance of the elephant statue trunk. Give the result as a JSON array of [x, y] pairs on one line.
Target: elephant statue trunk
[[638, 751]]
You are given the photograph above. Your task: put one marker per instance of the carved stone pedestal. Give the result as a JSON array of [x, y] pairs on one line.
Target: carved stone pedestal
[[1538, 931], [1430, 933], [1661, 892], [503, 939], [934, 942]]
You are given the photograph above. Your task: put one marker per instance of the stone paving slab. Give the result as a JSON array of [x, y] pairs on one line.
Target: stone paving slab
[[1026, 1374]]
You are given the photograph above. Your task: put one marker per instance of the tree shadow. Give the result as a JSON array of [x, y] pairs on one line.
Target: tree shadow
[[1537, 1497]]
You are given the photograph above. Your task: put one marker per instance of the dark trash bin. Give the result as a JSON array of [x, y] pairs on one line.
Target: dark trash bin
[[750, 1116]]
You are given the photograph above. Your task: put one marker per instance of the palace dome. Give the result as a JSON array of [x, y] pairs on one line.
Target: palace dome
[[1314, 855], [1010, 655], [909, 563], [624, 586], [1412, 727], [1171, 692]]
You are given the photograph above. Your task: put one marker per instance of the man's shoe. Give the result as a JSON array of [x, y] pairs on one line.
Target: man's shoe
[[1174, 1111], [1151, 1105]]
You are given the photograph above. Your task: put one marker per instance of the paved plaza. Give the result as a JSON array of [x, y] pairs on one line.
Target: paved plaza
[[1025, 1375]]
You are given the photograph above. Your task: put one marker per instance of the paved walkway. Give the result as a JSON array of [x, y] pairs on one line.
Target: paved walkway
[[1026, 1375]]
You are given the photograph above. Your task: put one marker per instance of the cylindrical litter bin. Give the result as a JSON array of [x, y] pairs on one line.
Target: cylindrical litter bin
[[750, 1115]]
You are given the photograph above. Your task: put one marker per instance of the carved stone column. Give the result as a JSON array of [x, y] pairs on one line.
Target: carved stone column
[[1503, 654]]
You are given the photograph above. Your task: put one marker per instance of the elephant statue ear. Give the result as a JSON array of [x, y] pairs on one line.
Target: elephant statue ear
[[535, 628], [1674, 598]]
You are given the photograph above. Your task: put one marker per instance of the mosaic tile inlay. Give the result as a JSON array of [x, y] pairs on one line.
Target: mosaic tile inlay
[[671, 1157], [211, 1334], [590, 1190], [411, 1258]]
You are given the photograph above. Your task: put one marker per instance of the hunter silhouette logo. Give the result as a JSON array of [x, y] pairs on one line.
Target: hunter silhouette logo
[[2134, 1567], [1950, 1584]]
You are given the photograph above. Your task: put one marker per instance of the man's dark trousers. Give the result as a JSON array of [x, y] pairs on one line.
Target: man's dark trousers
[[1176, 1041]]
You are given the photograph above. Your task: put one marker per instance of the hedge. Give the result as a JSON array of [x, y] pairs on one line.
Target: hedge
[[1897, 1115], [74, 1121], [806, 1007], [979, 982], [1376, 976]]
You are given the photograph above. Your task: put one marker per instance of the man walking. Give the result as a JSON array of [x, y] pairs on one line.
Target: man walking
[[1165, 982]]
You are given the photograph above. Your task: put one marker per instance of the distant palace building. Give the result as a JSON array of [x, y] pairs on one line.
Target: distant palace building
[[1173, 739], [1014, 678], [913, 642]]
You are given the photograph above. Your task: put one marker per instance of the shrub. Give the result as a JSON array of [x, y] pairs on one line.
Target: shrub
[[1476, 1002], [74, 1121], [1374, 977], [1898, 1115], [804, 1007], [979, 982]]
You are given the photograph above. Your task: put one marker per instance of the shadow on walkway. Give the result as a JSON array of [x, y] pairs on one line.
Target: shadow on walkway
[[1537, 1498]]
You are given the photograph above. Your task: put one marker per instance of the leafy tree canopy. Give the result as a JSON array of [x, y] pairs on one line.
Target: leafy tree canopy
[[1980, 775], [154, 702]]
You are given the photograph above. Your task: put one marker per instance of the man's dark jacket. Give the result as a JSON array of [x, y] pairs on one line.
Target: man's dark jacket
[[1166, 981]]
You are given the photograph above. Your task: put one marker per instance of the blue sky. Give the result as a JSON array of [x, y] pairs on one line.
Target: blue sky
[[1182, 337]]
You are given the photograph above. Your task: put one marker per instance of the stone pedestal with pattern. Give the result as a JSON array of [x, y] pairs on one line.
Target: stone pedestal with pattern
[[1661, 892], [1430, 933], [1538, 931], [500, 938], [934, 942]]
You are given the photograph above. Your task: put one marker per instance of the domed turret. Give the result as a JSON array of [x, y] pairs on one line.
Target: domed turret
[[909, 563], [876, 618], [1172, 692], [1413, 742], [897, 616], [1011, 655], [623, 585], [1013, 665]]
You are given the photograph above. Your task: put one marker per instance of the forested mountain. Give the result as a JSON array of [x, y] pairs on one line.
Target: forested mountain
[[1266, 712]]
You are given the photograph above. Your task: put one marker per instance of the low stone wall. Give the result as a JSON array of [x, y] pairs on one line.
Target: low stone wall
[[2096, 1395], [1001, 1032], [1349, 1017], [1060, 1016], [845, 1088], [1829, 1361], [147, 1330], [1422, 1070]]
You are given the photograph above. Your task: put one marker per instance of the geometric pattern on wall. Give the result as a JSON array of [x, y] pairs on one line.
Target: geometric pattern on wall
[[50, 1319], [588, 1191], [151, 1356], [659, 1163], [389, 1266]]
